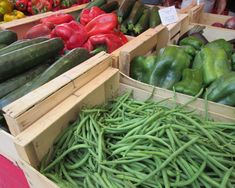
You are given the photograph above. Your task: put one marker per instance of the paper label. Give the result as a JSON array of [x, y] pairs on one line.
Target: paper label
[[168, 15]]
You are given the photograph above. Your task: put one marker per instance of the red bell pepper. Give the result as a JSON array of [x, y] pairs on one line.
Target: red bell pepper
[[89, 14], [39, 6], [67, 3], [57, 19], [56, 3], [21, 5], [112, 41], [102, 24], [73, 34], [40, 30]]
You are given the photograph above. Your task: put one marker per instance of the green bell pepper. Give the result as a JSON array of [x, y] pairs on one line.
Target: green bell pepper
[[222, 90], [233, 62], [189, 50], [169, 67], [192, 41], [222, 44], [191, 82], [142, 67], [213, 62]]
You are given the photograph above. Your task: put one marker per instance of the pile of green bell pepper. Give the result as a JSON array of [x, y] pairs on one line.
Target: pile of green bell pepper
[[191, 67]]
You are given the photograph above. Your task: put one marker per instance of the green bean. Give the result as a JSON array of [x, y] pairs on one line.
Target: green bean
[[226, 178], [68, 178], [171, 157], [152, 138], [193, 178], [79, 163], [165, 178], [199, 127], [79, 146]]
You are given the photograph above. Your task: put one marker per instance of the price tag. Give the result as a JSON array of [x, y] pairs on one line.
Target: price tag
[[168, 15]]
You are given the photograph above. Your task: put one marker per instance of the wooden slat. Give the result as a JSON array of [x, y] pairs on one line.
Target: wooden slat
[[34, 142], [179, 26], [35, 178], [195, 14], [7, 147], [215, 110], [24, 111]]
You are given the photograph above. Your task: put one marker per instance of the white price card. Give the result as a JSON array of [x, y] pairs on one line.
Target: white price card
[[168, 15]]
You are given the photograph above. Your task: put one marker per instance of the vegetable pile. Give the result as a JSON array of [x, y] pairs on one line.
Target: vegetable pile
[[135, 17], [130, 143], [26, 65], [193, 65], [7, 13], [97, 30], [229, 24]]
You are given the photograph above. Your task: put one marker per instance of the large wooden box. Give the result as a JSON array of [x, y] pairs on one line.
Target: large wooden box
[[34, 143], [21, 113]]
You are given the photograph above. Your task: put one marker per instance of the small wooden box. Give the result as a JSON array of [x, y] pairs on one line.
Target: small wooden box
[[198, 16], [159, 40]]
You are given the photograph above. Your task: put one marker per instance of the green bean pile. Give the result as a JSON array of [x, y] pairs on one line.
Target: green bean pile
[[129, 143]]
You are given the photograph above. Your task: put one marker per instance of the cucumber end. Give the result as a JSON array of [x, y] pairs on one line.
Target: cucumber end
[[130, 27], [137, 30], [119, 19], [124, 30]]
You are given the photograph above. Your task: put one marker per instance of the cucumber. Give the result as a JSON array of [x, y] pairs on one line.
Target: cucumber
[[135, 15], [7, 37], [65, 63], [143, 23], [2, 46], [125, 9], [154, 17], [23, 59], [110, 7], [97, 3], [22, 44], [16, 82]]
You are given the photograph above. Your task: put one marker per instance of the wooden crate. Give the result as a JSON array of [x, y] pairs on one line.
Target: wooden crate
[[21, 26], [175, 30], [21, 113], [128, 53], [35, 142], [198, 16]]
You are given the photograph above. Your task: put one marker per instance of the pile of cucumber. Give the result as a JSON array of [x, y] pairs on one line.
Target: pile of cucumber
[[135, 17], [26, 65]]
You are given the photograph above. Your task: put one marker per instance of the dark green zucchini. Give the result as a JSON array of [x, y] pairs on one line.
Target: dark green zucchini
[[65, 63], [135, 15], [23, 59], [125, 9], [124, 27], [143, 23], [22, 44], [110, 7], [97, 3], [7, 37], [154, 17], [16, 82]]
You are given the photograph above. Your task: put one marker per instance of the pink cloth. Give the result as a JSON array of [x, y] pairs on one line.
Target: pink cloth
[[11, 176]]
